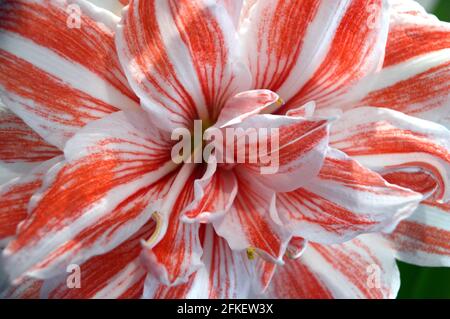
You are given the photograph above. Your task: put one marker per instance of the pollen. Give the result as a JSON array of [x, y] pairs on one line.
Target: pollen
[[280, 102], [251, 253]]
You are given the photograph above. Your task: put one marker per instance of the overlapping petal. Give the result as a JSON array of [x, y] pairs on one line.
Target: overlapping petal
[[15, 196], [226, 274], [422, 239], [388, 141], [361, 268], [116, 170], [214, 194], [59, 80], [174, 251], [343, 201], [249, 224], [282, 152], [181, 58]]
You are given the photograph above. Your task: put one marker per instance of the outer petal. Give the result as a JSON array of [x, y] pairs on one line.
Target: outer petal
[[282, 152], [181, 57], [424, 238], [225, 275], [362, 268], [325, 67], [214, 194], [78, 81], [416, 75], [173, 253], [21, 148], [345, 200], [389, 141], [249, 225], [15, 196], [89, 205], [116, 274]]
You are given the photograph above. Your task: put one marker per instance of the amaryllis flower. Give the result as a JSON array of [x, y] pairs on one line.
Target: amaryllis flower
[[358, 91]]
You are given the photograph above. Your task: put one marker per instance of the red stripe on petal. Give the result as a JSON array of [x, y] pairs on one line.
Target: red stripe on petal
[[87, 45], [362, 268], [407, 41], [296, 281], [19, 143], [181, 87], [279, 25], [361, 31], [52, 97], [424, 238], [415, 95], [100, 275]]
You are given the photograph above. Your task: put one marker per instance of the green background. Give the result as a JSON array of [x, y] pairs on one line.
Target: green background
[[421, 282]]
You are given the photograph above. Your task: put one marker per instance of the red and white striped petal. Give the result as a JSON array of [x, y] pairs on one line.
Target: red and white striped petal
[[388, 141], [249, 224], [19, 143], [173, 253], [116, 171], [362, 268], [214, 194], [117, 274], [312, 69], [21, 149], [181, 58], [343, 201], [424, 238], [415, 78], [226, 274], [80, 78], [15, 196], [282, 152]]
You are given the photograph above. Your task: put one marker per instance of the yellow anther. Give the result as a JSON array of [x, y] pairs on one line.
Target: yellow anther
[[251, 253], [158, 220], [280, 101]]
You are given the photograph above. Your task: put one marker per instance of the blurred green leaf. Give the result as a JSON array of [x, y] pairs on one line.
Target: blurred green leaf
[[423, 282], [442, 10]]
